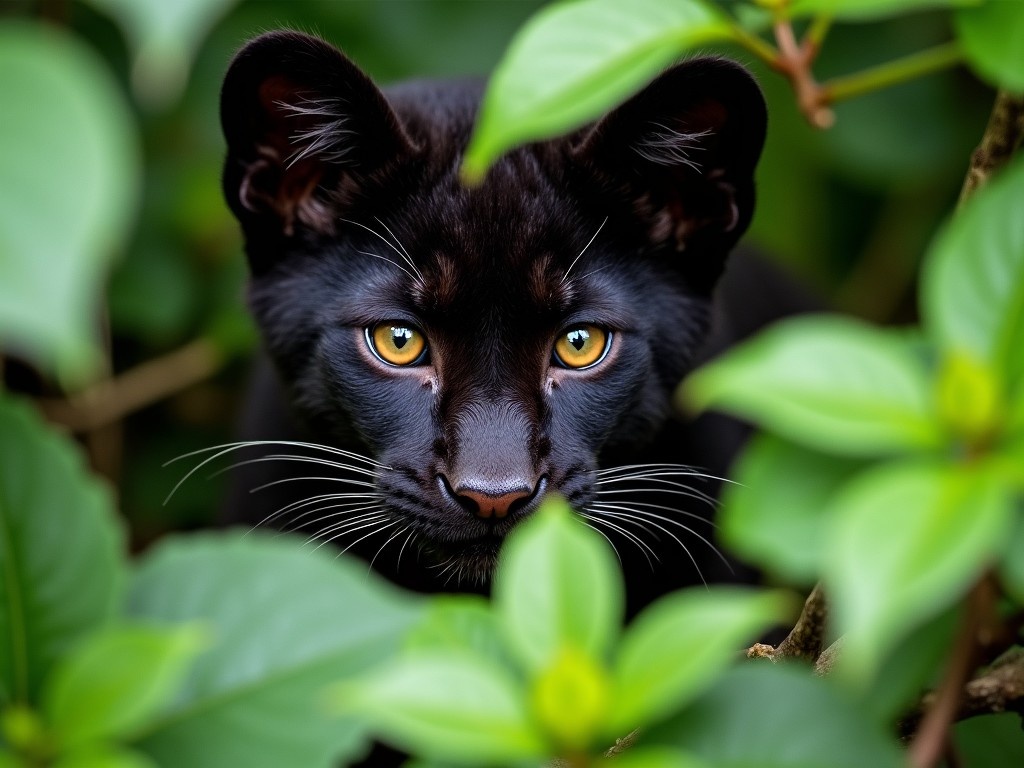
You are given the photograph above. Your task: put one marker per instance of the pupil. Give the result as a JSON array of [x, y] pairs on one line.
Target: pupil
[[578, 339], [400, 337]]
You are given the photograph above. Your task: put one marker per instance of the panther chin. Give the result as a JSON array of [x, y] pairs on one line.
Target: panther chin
[[464, 563]]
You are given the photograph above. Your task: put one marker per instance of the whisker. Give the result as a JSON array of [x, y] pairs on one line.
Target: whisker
[[392, 262], [398, 565], [624, 514], [374, 532], [298, 458], [362, 497], [591, 240], [680, 489], [324, 479], [390, 245], [373, 509], [397, 241], [688, 529], [223, 449], [391, 538], [597, 530], [663, 507], [630, 467], [333, 532], [645, 548]]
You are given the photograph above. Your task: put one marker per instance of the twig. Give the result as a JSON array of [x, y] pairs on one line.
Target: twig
[[805, 640], [113, 399], [1000, 689], [1002, 138], [930, 742]]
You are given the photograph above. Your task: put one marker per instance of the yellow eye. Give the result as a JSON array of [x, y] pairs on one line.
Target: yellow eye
[[396, 343], [581, 346]]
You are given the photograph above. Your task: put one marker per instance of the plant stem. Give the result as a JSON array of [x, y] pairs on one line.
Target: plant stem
[[816, 33], [1003, 135], [930, 743], [764, 51], [891, 73]]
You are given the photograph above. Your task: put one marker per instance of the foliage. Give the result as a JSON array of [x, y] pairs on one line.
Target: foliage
[[891, 465], [562, 683]]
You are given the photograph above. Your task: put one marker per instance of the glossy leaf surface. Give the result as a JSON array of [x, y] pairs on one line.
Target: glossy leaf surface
[[558, 584], [973, 284], [61, 558], [285, 622], [829, 383], [574, 61], [680, 644], [907, 542]]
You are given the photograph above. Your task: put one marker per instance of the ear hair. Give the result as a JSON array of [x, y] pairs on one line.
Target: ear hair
[[681, 154], [306, 130]]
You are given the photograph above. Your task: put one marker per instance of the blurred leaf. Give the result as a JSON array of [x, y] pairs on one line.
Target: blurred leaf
[[459, 623], [991, 38], [153, 295], [1013, 562], [285, 621], [164, 36], [61, 558], [446, 705], [68, 185], [680, 644], [863, 10], [907, 541], [914, 666], [830, 383], [116, 680], [778, 716], [973, 283], [108, 757], [781, 526], [655, 757], [558, 584], [573, 61], [993, 741]]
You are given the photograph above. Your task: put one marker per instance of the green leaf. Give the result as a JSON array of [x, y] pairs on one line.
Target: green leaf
[[780, 526], [680, 644], [914, 665], [61, 557], [864, 10], [459, 623], [1012, 570], [907, 542], [778, 716], [993, 741], [656, 757], [558, 584], [285, 622], [991, 38], [104, 757], [116, 680], [164, 37], [67, 194], [826, 382], [446, 705], [973, 283], [573, 61]]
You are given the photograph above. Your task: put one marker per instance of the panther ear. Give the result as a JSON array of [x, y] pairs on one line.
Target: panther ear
[[305, 128], [683, 152]]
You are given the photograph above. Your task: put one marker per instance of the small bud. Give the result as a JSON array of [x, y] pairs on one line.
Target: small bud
[[969, 397], [571, 698]]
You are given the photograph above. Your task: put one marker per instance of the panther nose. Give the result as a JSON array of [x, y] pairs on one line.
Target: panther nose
[[486, 500]]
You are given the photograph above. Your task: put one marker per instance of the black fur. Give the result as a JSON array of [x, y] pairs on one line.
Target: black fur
[[318, 157]]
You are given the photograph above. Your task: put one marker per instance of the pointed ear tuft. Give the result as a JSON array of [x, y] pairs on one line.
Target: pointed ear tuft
[[682, 152], [304, 127]]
